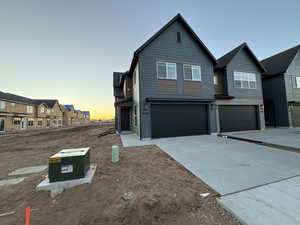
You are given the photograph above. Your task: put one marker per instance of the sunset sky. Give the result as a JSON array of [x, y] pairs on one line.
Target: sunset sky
[[68, 49]]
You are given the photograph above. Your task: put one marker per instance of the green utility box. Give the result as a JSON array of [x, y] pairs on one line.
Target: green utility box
[[69, 164]]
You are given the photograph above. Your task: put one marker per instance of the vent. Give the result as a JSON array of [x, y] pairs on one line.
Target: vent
[[178, 37]]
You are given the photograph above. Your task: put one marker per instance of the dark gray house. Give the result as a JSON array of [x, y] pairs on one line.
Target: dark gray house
[[172, 85], [281, 87], [170, 88], [238, 91]]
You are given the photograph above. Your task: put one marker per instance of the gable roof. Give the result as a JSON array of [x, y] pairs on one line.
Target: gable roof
[[279, 63], [69, 107], [223, 61], [87, 113], [49, 102], [16, 98], [78, 111], [180, 19]]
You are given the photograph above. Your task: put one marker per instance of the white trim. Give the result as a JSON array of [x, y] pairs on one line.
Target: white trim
[[238, 76], [166, 63], [193, 66], [297, 80]]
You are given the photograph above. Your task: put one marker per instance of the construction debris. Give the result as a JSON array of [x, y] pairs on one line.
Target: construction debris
[[28, 170], [7, 213], [127, 196]]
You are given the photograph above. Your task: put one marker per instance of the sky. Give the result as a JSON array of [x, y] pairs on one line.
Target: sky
[[68, 49]]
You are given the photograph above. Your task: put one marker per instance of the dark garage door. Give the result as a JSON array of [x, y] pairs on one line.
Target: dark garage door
[[238, 118], [178, 120], [296, 116]]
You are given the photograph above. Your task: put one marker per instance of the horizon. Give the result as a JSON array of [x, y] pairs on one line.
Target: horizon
[[69, 50]]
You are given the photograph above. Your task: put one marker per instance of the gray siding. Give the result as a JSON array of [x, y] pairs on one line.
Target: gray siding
[[243, 62], [274, 89], [166, 48], [293, 93]]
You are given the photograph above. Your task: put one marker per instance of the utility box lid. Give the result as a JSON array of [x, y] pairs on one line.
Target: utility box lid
[[71, 152]]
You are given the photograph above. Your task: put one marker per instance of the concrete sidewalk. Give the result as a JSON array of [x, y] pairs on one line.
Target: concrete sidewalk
[[274, 204], [288, 137]]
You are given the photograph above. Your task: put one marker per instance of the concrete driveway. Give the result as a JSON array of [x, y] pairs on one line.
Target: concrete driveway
[[288, 137], [259, 184], [226, 165]]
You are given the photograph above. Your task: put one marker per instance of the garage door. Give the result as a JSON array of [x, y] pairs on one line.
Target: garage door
[[178, 120], [296, 116], [238, 118]]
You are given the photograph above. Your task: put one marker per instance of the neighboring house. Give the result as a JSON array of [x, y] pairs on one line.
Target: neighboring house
[[168, 90], [281, 87], [16, 112], [238, 91], [54, 114], [68, 114], [86, 115]]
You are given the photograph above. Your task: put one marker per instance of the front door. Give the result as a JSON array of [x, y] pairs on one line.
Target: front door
[[23, 123], [125, 119], [1, 124]]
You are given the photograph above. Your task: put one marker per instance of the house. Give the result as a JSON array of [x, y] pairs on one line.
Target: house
[[86, 115], [68, 114], [168, 90], [53, 113], [16, 112], [238, 91], [281, 88]]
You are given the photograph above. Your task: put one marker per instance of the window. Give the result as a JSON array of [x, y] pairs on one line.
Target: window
[[48, 111], [297, 82], [178, 37], [166, 71], [192, 72], [42, 109], [2, 105], [13, 104], [135, 116], [40, 123], [17, 121], [215, 80], [244, 80], [30, 122], [29, 109], [52, 110]]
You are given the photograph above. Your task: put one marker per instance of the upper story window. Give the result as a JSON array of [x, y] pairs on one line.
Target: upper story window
[[166, 70], [244, 80], [42, 109], [52, 110], [297, 82], [48, 111], [29, 109], [2, 104], [192, 72], [215, 80], [13, 104]]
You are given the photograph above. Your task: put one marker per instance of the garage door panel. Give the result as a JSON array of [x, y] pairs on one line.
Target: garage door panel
[[178, 120], [238, 118], [296, 116]]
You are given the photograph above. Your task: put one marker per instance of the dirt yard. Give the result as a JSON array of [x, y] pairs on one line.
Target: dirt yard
[[164, 192]]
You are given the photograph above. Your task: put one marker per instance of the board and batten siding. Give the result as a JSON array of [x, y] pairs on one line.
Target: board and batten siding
[[166, 48], [278, 96], [293, 93], [243, 62]]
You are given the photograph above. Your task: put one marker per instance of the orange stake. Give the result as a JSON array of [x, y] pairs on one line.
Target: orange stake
[[27, 217]]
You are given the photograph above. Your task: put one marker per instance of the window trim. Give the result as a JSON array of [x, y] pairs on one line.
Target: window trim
[[192, 65], [2, 104], [297, 81], [244, 80], [161, 78]]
